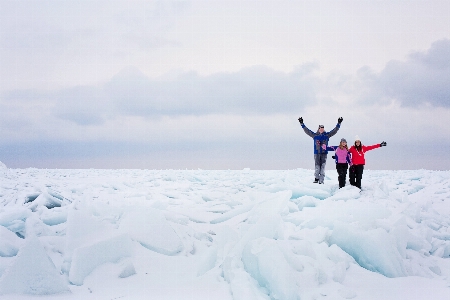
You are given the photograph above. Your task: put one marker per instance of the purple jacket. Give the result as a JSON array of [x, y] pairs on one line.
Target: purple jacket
[[342, 155]]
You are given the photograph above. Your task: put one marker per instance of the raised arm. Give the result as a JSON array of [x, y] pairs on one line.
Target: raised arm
[[335, 130], [305, 129]]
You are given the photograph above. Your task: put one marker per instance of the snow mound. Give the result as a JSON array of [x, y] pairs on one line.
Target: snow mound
[[150, 227], [128, 270], [266, 263], [44, 199], [32, 272], [9, 243], [364, 247], [86, 259]]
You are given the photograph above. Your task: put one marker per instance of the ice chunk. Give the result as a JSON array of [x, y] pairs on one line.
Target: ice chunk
[[266, 263], [436, 270], [347, 294], [44, 199], [150, 228], [14, 219], [86, 259], [306, 201], [381, 191], [84, 229], [374, 249], [55, 216], [339, 272], [312, 190], [318, 234], [244, 287], [128, 270], [5, 262], [348, 192], [276, 204], [9, 243], [233, 213], [414, 242], [32, 272], [207, 261]]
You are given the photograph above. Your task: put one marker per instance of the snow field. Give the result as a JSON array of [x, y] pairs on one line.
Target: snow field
[[229, 234]]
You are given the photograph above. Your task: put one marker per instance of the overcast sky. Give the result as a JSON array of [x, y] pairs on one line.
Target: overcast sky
[[221, 84]]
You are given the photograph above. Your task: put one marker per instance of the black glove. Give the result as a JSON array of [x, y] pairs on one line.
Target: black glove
[[383, 144], [340, 120], [300, 120]]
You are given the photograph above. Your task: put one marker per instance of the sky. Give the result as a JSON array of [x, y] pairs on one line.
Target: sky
[[221, 84]]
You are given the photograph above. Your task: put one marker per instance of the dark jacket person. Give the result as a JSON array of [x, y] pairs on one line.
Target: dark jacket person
[[320, 138]]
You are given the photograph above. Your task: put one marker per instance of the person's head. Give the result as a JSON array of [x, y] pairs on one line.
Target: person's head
[[357, 141], [321, 128], [343, 143]]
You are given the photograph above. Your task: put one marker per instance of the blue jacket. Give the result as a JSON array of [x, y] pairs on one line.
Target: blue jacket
[[320, 138]]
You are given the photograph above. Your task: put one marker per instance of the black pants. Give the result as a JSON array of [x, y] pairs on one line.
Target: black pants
[[342, 173], [355, 175]]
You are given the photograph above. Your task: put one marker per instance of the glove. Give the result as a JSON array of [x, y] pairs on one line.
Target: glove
[[383, 144], [333, 157], [340, 120], [300, 120]]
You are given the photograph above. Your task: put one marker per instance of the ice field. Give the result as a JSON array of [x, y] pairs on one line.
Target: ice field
[[229, 234]]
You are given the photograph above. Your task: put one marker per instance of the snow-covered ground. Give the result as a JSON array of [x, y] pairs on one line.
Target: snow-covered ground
[[199, 234]]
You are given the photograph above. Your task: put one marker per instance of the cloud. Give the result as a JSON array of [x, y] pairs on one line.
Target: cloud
[[251, 90], [420, 80], [81, 105], [255, 90]]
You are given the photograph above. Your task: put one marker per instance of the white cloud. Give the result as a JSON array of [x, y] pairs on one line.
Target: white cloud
[[420, 80], [257, 90]]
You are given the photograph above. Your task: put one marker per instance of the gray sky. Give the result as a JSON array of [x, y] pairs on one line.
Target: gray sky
[[220, 84]]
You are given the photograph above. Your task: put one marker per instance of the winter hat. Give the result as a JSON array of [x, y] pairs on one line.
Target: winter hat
[[343, 140], [357, 138]]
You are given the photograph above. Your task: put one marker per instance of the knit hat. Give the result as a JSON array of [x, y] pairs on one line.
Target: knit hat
[[343, 140], [357, 138]]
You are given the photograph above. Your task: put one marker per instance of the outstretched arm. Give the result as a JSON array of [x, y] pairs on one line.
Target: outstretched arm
[[329, 148], [368, 148]]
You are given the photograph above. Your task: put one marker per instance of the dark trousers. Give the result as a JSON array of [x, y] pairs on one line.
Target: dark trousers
[[355, 175], [342, 173]]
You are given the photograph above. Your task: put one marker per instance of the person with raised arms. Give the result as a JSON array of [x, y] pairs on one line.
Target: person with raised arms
[[320, 138]]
